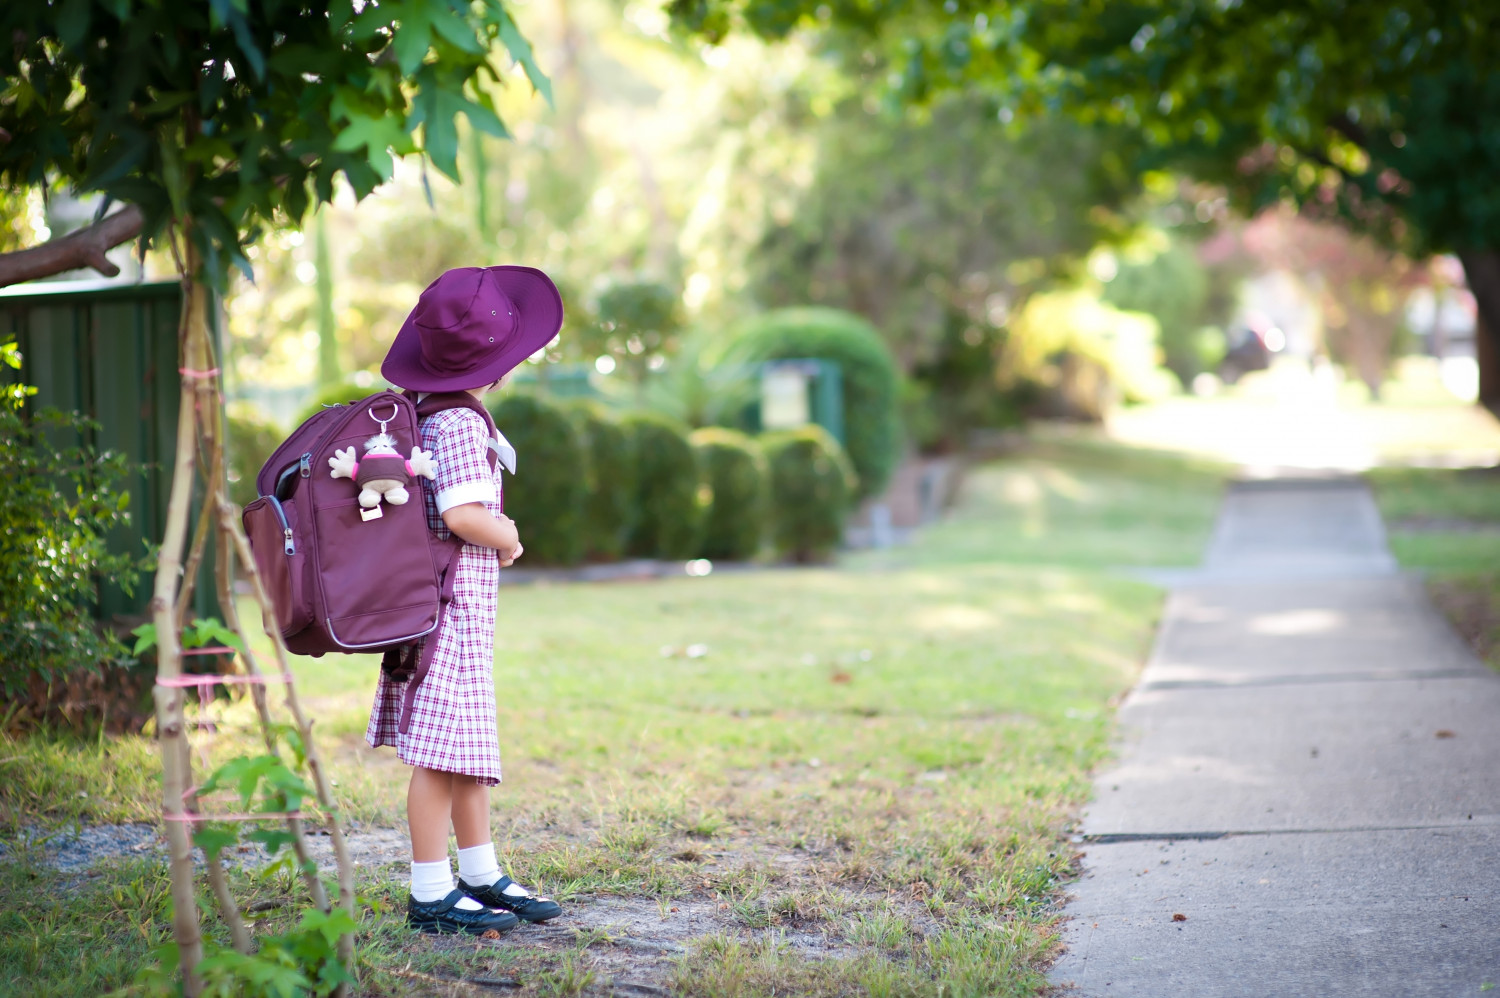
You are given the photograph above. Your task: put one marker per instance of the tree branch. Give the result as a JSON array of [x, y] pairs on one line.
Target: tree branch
[[84, 248]]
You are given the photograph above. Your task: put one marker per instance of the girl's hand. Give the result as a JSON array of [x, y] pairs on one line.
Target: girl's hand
[[506, 562]]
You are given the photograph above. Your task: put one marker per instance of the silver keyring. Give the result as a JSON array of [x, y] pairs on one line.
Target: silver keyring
[[394, 409]]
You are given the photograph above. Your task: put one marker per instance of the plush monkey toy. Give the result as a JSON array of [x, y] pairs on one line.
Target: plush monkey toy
[[383, 472]]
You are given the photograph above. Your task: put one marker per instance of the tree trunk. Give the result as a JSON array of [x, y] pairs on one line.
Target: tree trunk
[[84, 248], [171, 726], [1482, 274], [328, 343]]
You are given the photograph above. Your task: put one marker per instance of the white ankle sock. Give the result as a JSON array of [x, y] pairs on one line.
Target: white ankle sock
[[477, 866], [434, 881]]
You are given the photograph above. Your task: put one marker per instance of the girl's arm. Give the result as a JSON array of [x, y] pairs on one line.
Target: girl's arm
[[477, 525]]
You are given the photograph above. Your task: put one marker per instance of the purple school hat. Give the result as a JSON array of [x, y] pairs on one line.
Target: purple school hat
[[471, 326]]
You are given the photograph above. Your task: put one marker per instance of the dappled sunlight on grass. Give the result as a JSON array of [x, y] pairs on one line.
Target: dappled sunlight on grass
[[1287, 418], [1073, 499], [890, 749]]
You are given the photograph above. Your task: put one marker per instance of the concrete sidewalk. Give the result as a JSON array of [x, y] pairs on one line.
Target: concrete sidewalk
[[1309, 773]]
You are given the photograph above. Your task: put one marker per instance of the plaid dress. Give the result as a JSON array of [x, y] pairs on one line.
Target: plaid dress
[[453, 727]]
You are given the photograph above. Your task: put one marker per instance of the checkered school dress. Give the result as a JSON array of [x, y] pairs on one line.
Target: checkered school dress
[[453, 726]]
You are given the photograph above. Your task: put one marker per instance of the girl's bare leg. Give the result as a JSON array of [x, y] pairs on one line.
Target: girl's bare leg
[[429, 808], [471, 811]]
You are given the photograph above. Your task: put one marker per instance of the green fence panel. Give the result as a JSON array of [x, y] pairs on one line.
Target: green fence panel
[[110, 351]]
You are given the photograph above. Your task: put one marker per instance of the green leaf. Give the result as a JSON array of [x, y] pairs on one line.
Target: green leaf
[[214, 839], [440, 135], [520, 50], [377, 136], [272, 838], [173, 175], [145, 638], [246, 41], [457, 32], [229, 972], [73, 22], [329, 924], [340, 13], [482, 116], [211, 631], [413, 37]]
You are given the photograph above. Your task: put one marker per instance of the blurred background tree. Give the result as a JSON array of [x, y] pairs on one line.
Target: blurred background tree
[[1384, 122]]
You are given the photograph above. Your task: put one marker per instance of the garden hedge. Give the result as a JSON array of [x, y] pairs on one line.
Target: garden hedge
[[342, 391], [812, 482], [668, 503], [248, 441], [872, 421], [546, 494], [734, 469], [610, 476]]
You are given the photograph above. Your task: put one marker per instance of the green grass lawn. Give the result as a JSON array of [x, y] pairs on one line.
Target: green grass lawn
[[861, 777], [1446, 523]]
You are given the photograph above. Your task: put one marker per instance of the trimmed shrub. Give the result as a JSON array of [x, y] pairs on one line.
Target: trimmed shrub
[[609, 502], [343, 391], [545, 496], [872, 422], [668, 503], [248, 441], [734, 469], [811, 486]]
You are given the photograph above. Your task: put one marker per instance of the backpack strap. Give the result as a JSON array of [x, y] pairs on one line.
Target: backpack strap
[[410, 664], [438, 402]]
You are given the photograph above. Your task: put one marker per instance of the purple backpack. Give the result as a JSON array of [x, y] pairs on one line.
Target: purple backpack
[[345, 577]]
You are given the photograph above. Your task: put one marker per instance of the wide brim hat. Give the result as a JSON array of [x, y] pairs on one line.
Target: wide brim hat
[[473, 325]]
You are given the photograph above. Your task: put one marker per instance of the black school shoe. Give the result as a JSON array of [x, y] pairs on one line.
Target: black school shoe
[[442, 916], [529, 908]]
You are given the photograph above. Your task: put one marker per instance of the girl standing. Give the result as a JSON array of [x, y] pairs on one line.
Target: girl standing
[[471, 328]]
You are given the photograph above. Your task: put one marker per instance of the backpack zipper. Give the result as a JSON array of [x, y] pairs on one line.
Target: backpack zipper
[[303, 465], [286, 529]]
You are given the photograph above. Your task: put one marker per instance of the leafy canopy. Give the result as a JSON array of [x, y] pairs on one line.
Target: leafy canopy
[[240, 114], [1386, 112]]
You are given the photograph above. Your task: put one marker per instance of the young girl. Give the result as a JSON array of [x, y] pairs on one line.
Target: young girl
[[471, 327]]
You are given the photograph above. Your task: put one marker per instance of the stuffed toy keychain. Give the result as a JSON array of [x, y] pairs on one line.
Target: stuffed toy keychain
[[383, 473]]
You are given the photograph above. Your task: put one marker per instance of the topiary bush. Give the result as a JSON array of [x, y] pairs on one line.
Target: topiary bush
[[668, 503], [248, 441], [546, 494], [872, 422], [812, 482], [734, 469], [610, 473]]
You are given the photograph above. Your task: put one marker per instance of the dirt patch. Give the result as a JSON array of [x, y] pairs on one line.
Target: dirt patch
[[1470, 605], [633, 946]]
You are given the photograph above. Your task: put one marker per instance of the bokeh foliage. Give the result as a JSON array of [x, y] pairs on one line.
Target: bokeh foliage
[[1381, 114], [240, 116]]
